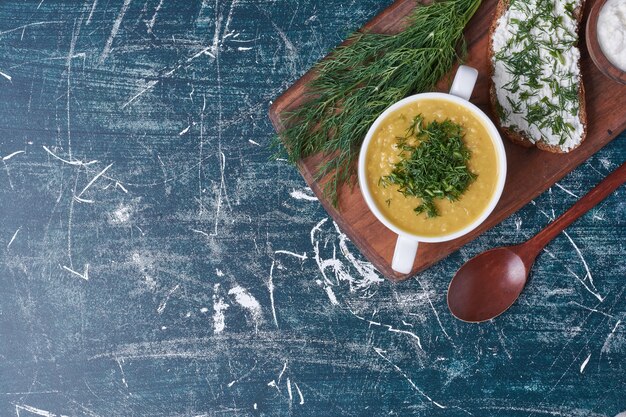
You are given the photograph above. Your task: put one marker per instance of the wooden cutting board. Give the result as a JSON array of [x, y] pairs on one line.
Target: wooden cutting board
[[530, 171]]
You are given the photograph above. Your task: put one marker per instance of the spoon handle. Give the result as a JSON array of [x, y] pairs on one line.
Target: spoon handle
[[582, 206]]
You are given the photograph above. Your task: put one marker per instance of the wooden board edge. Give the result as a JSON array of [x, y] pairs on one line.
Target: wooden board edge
[[285, 100]]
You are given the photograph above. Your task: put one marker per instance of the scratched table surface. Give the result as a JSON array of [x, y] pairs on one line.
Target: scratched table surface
[[155, 262]]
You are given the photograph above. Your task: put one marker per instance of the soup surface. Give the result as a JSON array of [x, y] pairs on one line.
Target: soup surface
[[383, 154]]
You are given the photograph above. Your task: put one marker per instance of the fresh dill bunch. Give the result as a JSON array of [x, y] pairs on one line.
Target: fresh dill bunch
[[436, 167], [364, 77]]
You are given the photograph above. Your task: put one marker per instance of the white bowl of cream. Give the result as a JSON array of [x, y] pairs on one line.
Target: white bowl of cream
[[606, 38], [612, 32]]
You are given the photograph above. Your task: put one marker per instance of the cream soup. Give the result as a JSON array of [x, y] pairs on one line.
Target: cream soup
[[383, 154]]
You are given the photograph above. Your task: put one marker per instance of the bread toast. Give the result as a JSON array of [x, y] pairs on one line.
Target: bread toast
[[563, 126]]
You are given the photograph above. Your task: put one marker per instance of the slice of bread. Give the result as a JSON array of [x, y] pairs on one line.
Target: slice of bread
[[540, 133]]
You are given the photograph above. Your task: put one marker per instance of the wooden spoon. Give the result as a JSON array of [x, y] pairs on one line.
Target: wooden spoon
[[487, 285]]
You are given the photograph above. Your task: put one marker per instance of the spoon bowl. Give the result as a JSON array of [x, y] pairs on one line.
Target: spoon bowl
[[487, 285]]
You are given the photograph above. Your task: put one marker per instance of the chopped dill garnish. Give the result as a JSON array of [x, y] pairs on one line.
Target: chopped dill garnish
[[436, 167], [364, 77]]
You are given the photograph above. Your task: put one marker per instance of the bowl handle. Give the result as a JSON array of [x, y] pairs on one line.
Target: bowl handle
[[404, 254], [464, 82]]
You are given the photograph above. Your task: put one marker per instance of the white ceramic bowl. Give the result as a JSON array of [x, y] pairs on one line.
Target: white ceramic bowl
[[407, 243]]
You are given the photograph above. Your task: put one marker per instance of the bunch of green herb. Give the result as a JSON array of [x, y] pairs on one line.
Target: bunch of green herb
[[363, 78], [433, 164]]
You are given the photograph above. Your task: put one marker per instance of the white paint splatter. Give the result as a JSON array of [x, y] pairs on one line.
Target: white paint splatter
[[605, 346], [148, 86], [222, 193], [295, 255], [329, 291], [14, 236], [366, 270], [33, 410], [299, 393], [531, 411], [206, 51], [94, 179], [582, 258], [566, 190], [70, 162], [84, 275], [229, 19], [200, 232], [219, 307], [119, 363], [367, 275], [247, 301], [47, 22], [300, 195], [584, 364], [291, 51], [591, 289], [83, 200], [289, 391], [273, 382], [591, 309], [154, 16], [121, 187], [280, 375], [432, 307], [270, 288], [388, 327], [151, 282], [121, 215], [413, 335], [116, 27], [163, 303], [93, 9], [144, 264], [331, 295], [415, 387], [11, 155], [606, 163]]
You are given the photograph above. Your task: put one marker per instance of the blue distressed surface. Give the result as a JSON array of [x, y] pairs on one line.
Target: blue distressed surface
[[191, 225]]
